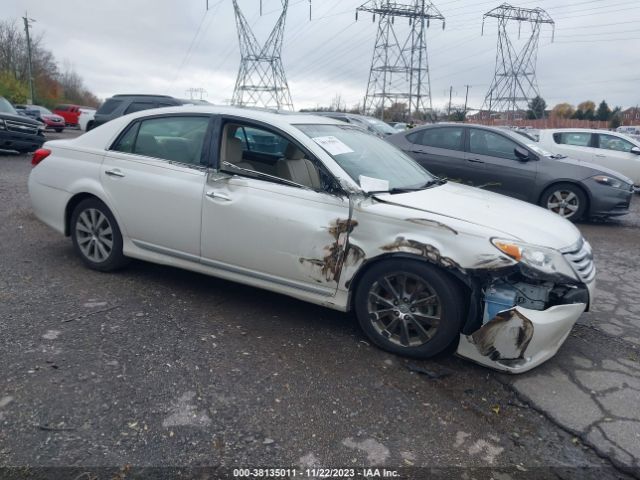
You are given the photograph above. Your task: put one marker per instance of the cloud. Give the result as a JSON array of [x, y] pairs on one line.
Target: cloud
[[143, 46]]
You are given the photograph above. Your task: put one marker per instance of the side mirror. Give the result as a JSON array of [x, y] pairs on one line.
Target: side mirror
[[521, 154], [635, 150]]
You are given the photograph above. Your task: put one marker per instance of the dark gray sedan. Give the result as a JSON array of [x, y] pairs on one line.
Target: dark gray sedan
[[505, 162]]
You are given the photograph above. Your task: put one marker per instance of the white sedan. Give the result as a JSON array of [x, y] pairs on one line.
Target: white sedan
[[322, 211], [613, 150]]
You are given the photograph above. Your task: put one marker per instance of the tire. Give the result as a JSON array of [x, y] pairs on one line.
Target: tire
[[566, 199], [89, 126], [59, 130], [96, 236], [434, 302]]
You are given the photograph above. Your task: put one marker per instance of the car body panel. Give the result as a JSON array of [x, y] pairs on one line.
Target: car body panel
[[308, 244]]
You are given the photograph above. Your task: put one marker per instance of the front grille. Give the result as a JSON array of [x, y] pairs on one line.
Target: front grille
[[581, 259], [18, 127]]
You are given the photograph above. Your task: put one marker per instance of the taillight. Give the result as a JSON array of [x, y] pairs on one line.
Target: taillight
[[40, 155]]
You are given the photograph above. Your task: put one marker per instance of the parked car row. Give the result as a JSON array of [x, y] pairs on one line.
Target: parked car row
[[43, 115]]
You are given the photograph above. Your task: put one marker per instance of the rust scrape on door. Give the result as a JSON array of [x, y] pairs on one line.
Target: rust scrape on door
[[429, 252], [505, 337], [338, 252]]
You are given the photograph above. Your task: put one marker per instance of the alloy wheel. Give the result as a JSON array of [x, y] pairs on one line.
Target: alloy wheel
[[563, 202], [404, 309], [94, 235]]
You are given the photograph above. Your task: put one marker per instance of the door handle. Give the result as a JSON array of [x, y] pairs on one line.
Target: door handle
[[114, 173], [219, 196], [474, 160], [599, 155]]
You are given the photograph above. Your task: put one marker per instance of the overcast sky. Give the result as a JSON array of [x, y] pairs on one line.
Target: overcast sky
[[142, 46]]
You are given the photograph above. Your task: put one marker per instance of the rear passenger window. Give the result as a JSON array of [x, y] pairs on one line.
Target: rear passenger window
[[577, 139], [447, 138], [179, 139], [138, 107], [109, 106]]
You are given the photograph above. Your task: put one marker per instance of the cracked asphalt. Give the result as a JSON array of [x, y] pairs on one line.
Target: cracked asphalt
[[158, 367]]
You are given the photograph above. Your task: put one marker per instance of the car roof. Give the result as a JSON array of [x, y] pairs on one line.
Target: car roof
[[273, 117]]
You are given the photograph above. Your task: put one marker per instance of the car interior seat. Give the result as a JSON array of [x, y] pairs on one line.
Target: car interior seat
[[233, 149], [148, 145], [295, 167]]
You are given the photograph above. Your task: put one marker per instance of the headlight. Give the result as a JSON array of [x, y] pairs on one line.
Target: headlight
[[542, 259], [611, 181]]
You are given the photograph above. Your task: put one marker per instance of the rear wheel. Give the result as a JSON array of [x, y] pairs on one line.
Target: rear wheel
[[409, 308], [96, 236], [565, 199]]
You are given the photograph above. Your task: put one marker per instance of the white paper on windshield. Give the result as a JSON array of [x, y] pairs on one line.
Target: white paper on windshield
[[332, 145], [370, 184]]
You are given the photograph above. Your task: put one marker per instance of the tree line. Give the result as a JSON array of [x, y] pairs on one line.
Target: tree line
[[52, 84], [586, 110]]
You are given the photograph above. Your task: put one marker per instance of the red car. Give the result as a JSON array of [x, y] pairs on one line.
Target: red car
[[70, 113], [44, 115]]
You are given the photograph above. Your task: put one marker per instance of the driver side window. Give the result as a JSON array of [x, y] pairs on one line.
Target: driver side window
[[261, 153], [484, 142]]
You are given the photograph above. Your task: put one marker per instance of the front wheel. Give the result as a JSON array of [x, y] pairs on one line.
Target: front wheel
[[59, 130], [565, 199], [96, 236], [409, 308]]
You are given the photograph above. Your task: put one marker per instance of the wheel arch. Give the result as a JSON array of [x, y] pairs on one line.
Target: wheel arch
[[576, 184], [463, 280], [74, 201]]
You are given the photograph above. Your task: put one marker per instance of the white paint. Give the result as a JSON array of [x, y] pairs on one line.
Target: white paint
[[460, 438], [51, 334], [490, 451], [377, 453], [4, 401], [94, 304], [184, 414], [309, 461]]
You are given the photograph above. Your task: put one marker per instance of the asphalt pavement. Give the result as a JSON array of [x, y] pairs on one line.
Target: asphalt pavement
[[158, 367]]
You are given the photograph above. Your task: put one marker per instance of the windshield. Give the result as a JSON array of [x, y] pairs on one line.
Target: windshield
[[362, 154], [379, 125], [6, 107]]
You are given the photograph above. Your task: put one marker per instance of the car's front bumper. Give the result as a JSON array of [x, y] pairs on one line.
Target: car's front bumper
[[607, 201], [520, 339]]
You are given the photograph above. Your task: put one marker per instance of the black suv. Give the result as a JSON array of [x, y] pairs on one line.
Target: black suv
[[18, 133], [120, 105]]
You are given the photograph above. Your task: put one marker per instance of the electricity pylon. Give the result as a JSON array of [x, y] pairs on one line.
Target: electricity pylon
[[400, 67], [261, 80], [514, 82]]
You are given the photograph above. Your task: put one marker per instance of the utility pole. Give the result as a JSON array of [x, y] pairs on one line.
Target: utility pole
[[400, 67], [27, 24], [192, 92], [449, 109], [261, 80], [514, 82], [466, 100]]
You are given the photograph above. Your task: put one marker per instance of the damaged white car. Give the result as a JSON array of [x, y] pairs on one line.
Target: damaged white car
[[322, 211]]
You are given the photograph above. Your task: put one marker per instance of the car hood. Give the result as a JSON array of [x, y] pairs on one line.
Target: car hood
[[591, 169], [508, 217], [20, 118]]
